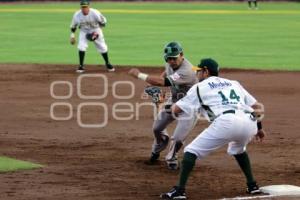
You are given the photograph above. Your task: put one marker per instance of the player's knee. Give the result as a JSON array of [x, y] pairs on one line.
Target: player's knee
[[236, 150], [82, 48], [156, 130], [200, 154], [189, 159], [102, 49], [105, 49]]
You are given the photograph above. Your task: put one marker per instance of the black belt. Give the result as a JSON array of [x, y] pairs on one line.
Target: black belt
[[233, 112], [229, 112]]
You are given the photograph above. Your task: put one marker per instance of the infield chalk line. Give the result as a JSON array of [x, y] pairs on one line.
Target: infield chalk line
[[123, 11]]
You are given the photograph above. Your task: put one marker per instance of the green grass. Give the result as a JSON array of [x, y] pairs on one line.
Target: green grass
[[9, 164], [136, 33]]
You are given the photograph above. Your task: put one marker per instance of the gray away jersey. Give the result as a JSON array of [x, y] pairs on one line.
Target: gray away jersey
[[181, 79], [88, 22]]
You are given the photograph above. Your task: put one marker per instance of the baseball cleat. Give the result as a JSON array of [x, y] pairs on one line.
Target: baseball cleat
[[173, 164], [110, 68], [253, 188], [175, 193], [80, 69], [153, 159]]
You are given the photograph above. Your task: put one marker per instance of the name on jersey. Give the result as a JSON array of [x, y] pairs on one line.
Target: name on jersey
[[214, 85]]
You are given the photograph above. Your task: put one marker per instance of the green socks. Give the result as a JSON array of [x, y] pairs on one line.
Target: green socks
[[189, 160], [81, 57], [105, 57], [245, 165], [187, 165]]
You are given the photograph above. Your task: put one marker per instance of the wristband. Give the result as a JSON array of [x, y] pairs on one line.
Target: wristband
[[259, 125], [72, 35], [142, 76]]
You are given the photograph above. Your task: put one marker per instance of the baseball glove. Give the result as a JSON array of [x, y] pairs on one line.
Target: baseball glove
[[155, 93], [72, 40], [92, 36]]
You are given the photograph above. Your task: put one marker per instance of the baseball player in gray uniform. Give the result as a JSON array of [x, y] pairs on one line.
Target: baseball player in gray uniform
[[90, 22], [230, 108], [179, 76]]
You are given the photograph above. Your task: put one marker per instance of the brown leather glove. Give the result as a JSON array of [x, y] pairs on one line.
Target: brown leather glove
[[72, 40], [92, 36]]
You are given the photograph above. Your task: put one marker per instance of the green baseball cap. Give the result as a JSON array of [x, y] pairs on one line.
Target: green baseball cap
[[207, 63], [84, 3]]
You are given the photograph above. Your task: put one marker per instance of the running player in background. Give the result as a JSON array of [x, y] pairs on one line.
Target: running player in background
[[179, 76]]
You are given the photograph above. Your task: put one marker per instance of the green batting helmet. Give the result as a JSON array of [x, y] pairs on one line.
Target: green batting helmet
[[172, 50]]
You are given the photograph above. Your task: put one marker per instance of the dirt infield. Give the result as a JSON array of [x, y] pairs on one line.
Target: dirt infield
[[107, 163]]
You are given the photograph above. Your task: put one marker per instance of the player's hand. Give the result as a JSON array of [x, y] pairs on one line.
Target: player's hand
[[72, 40], [134, 72], [260, 135], [95, 36]]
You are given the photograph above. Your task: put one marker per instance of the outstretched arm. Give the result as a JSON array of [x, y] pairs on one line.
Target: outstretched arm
[[153, 80]]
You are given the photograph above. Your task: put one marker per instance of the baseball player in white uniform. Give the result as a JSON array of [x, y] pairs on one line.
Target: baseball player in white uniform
[[250, 4], [230, 109], [90, 22], [180, 77]]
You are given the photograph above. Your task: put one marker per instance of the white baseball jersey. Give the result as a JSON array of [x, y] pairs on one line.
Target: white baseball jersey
[[88, 24], [236, 127], [215, 95]]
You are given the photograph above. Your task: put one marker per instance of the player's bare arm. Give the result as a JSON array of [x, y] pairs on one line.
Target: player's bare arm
[[153, 80], [259, 112], [163, 74], [260, 135], [72, 36]]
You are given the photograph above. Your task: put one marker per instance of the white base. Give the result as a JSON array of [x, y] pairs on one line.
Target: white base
[[272, 191], [281, 190]]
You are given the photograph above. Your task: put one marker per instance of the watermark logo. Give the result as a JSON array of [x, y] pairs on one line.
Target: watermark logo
[[121, 110], [118, 105]]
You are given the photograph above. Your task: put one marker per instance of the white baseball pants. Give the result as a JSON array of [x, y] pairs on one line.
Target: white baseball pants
[[99, 42], [236, 130]]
